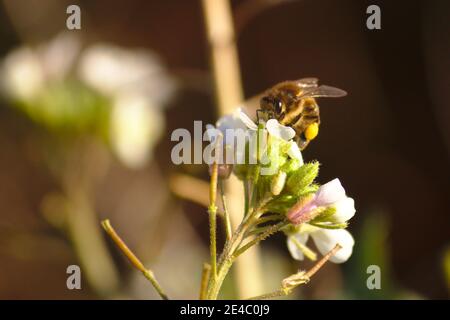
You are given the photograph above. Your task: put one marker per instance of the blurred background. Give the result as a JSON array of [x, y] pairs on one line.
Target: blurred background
[[86, 117]]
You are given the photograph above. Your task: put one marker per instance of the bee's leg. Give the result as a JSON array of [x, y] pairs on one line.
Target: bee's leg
[[302, 142], [258, 118]]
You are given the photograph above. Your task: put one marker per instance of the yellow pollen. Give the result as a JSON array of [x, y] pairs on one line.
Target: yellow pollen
[[312, 131]]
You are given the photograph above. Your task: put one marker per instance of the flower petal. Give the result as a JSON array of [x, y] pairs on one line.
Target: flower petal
[[326, 240], [246, 120], [330, 193], [294, 249], [278, 130], [226, 122], [22, 74], [294, 152], [345, 210], [213, 134], [135, 129]]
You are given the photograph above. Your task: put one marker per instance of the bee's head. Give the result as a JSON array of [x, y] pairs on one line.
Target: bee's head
[[272, 104]]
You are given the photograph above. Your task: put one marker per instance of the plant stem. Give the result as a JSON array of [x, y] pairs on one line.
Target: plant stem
[[226, 214], [274, 294], [299, 278], [226, 260], [205, 278], [228, 255], [132, 258], [268, 232], [322, 261], [229, 94], [246, 197], [212, 209]]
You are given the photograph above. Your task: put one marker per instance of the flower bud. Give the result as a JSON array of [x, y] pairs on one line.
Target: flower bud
[[302, 211], [278, 183]]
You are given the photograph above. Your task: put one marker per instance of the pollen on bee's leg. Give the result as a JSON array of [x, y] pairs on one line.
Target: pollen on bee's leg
[[312, 131]]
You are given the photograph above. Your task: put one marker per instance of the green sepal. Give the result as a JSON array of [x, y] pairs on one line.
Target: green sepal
[[325, 215], [299, 180], [330, 225]]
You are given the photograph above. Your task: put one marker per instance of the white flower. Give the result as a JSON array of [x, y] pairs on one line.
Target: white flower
[[135, 129], [280, 131], [277, 130], [58, 56], [294, 152], [111, 70], [231, 132], [331, 194], [295, 242], [345, 210], [139, 87], [325, 240], [245, 119], [25, 71], [22, 75], [235, 121], [236, 129]]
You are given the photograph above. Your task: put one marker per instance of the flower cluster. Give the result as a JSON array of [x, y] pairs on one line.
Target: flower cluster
[[284, 187]]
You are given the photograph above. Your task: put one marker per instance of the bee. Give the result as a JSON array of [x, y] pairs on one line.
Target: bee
[[293, 104]]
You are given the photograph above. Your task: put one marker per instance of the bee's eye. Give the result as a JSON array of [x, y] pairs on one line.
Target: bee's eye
[[278, 105], [312, 131]]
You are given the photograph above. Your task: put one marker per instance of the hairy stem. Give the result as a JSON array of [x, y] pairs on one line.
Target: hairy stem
[[268, 232], [228, 255], [212, 209], [226, 214]]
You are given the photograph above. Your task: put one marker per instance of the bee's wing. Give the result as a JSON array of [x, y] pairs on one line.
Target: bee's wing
[[322, 91], [307, 82]]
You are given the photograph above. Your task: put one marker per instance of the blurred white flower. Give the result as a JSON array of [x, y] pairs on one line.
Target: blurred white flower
[[136, 126], [140, 87], [22, 75], [59, 55], [135, 82], [112, 70], [25, 70]]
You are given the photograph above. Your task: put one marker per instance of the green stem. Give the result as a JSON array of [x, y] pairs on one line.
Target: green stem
[[246, 197], [151, 277], [269, 231], [274, 294], [226, 260], [228, 255], [226, 214], [212, 244], [212, 210]]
